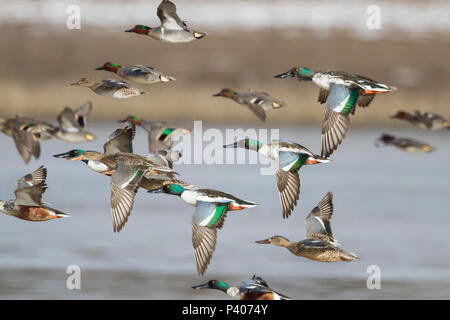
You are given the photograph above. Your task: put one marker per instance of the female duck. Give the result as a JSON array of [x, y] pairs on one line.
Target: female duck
[[319, 244], [110, 88], [256, 101], [137, 73]]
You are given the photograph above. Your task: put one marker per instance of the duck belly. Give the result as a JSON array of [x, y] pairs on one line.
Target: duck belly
[[35, 214]]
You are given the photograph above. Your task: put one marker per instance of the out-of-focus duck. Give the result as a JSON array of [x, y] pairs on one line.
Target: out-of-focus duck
[[319, 245], [110, 88], [137, 73], [426, 120], [406, 144], [27, 134], [161, 135], [289, 157], [71, 124], [172, 28], [27, 204], [256, 101], [254, 289], [341, 91]]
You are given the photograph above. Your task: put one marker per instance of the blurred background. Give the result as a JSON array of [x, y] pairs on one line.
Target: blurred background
[[248, 43], [391, 208]]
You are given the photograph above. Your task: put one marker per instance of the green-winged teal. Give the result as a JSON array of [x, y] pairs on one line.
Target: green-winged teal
[[137, 73], [406, 144], [71, 124], [27, 134], [110, 88], [256, 101], [161, 134], [172, 28], [426, 120]]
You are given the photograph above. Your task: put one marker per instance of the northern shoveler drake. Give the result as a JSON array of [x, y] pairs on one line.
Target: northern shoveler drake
[[211, 209], [121, 140], [27, 134], [128, 172], [137, 73], [341, 91], [319, 245], [28, 202], [426, 120], [110, 88], [406, 144], [256, 101], [172, 28], [161, 135], [71, 124], [254, 289], [289, 157]]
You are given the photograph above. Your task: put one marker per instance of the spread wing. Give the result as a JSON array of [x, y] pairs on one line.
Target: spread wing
[[29, 188], [32, 179], [167, 13], [207, 218], [317, 222], [121, 140], [289, 190], [82, 112], [26, 144], [67, 121], [124, 184]]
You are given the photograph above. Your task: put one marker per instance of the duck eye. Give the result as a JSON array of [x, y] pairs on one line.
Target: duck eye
[[296, 69]]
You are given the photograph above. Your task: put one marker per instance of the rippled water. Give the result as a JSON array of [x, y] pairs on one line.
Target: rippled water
[[391, 209]]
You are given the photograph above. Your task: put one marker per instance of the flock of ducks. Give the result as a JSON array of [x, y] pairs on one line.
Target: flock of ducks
[[341, 92]]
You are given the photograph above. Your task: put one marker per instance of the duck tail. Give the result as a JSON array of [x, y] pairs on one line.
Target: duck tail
[[317, 159], [199, 35], [57, 214], [241, 205], [348, 256]]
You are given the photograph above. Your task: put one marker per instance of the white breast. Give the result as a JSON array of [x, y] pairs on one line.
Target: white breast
[[97, 166], [322, 80], [190, 197]]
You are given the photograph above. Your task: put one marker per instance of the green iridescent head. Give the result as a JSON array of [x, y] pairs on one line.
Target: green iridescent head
[[70, 154], [226, 92], [173, 188], [214, 284], [139, 29], [301, 73], [109, 66], [246, 144]]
